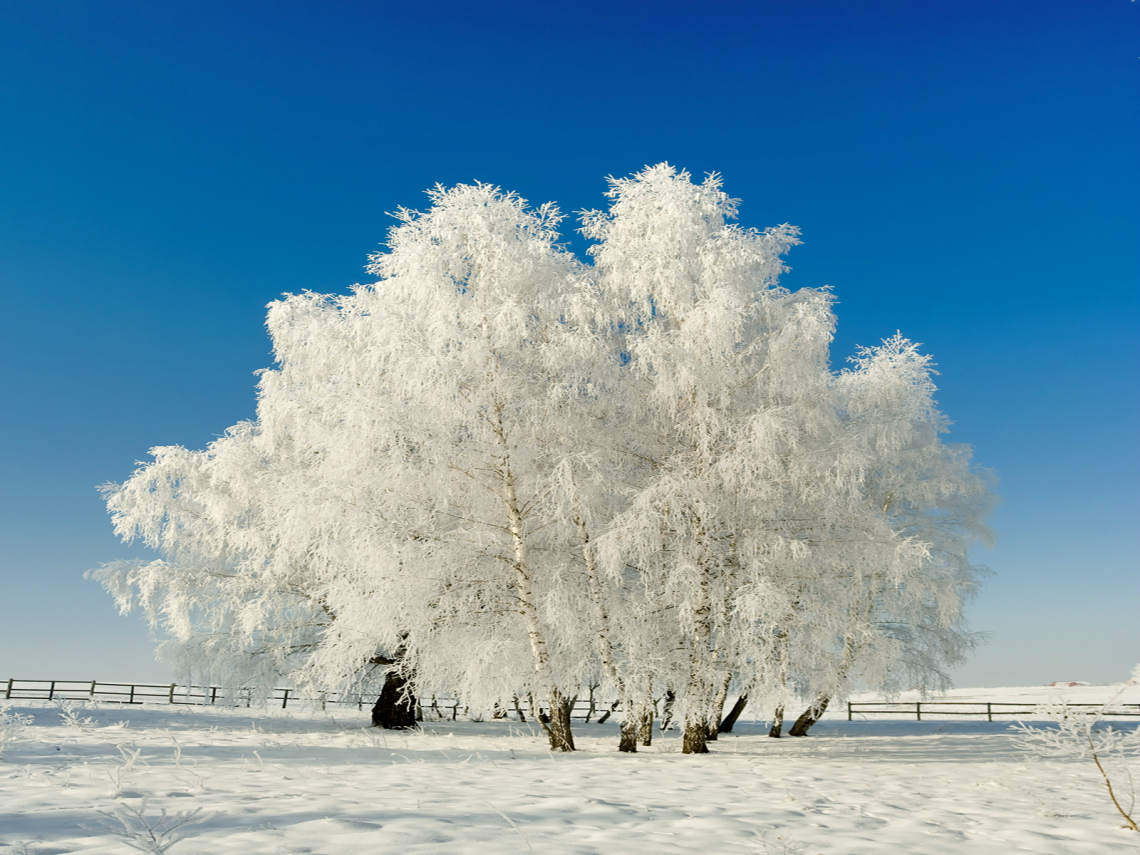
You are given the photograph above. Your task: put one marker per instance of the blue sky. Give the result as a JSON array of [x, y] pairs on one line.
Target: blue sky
[[963, 172]]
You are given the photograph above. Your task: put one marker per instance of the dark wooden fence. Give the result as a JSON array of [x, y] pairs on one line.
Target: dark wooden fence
[[175, 693], [918, 709], [449, 708]]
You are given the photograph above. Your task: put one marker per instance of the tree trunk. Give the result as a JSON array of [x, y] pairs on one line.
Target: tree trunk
[[777, 722], [729, 721], [604, 716], [558, 729], [395, 709], [809, 717], [696, 737], [667, 710], [718, 709], [628, 741], [645, 728]]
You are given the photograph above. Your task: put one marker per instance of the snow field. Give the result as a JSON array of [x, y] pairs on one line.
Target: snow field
[[312, 782]]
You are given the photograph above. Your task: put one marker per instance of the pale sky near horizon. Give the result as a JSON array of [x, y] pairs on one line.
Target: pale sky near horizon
[[964, 173]]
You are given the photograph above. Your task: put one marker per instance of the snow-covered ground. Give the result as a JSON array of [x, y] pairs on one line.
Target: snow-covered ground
[[323, 783]]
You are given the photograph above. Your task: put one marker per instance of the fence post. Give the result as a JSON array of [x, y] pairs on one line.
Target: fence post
[[170, 697], [918, 710], [8, 695], [989, 712], [92, 690], [131, 699], [284, 699], [51, 691], [849, 710], [213, 694]]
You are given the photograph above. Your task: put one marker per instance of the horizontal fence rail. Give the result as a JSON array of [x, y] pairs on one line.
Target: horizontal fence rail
[[450, 708], [989, 709], [178, 694]]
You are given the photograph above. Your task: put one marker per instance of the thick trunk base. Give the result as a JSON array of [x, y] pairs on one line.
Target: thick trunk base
[[729, 721], [645, 729], [558, 727], [695, 739], [777, 723], [809, 717], [627, 743], [395, 709]]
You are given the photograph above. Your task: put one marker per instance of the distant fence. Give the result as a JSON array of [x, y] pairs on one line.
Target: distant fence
[[918, 709], [175, 693]]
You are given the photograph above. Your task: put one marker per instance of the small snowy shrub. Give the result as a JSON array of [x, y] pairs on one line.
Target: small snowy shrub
[[12, 727], [1084, 736], [154, 835], [69, 714]]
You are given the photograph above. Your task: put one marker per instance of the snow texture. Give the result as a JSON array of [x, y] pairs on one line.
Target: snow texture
[[312, 782]]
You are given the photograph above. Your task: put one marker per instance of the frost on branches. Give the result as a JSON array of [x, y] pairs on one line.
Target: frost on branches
[[501, 472]]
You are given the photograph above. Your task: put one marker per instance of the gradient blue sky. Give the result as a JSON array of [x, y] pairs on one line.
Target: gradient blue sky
[[963, 172]]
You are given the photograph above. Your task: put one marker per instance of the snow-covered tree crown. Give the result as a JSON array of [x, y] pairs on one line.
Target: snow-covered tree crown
[[504, 471]]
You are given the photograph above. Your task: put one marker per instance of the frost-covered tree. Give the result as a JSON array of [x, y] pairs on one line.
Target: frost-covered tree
[[724, 366], [901, 621], [399, 485], [497, 471]]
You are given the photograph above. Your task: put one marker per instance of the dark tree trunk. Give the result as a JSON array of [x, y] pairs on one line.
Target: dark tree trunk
[[715, 719], [627, 743], [809, 717], [645, 728], [729, 721], [667, 710], [696, 737], [558, 726], [604, 716], [777, 722], [395, 709]]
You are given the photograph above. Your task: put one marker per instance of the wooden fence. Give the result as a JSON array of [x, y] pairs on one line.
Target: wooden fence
[[175, 693], [449, 708], [989, 709]]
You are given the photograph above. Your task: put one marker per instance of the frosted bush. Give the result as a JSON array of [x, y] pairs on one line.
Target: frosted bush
[[153, 834], [12, 727], [1084, 735]]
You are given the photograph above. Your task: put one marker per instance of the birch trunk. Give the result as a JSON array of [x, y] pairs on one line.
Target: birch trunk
[[729, 720], [558, 730], [777, 722]]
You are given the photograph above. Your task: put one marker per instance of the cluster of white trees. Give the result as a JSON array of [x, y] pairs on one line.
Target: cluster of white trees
[[501, 472]]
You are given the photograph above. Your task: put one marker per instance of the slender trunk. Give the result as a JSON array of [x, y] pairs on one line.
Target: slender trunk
[[729, 721], [608, 713], [667, 710], [815, 712], [718, 709], [810, 716], [559, 728], [777, 722], [395, 709], [701, 654]]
